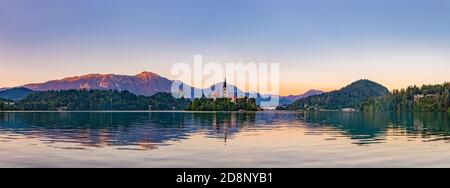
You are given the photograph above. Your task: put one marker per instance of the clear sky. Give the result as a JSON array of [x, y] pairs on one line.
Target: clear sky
[[320, 44]]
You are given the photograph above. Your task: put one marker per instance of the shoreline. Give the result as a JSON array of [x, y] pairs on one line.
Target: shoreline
[[132, 111], [187, 111]]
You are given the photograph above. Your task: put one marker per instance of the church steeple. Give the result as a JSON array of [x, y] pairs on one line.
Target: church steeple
[[225, 88]]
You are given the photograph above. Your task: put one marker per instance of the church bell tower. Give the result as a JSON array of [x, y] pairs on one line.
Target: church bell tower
[[225, 88]]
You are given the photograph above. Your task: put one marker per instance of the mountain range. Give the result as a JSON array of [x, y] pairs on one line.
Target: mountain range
[[286, 100], [148, 84], [145, 83]]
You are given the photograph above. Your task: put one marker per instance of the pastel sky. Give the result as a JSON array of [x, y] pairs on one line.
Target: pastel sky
[[320, 44]]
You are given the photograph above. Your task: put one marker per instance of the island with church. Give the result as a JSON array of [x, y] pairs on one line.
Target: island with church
[[222, 102]]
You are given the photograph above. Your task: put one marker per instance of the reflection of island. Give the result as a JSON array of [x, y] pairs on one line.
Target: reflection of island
[[145, 131]]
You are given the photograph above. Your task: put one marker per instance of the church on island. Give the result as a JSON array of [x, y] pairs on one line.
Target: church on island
[[220, 101], [225, 93]]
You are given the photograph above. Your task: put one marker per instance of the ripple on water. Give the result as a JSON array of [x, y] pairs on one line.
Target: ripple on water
[[266, 139]]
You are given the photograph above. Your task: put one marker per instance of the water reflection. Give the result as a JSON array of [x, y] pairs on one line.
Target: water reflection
[[92, 129], [371, 128], [146, 131]]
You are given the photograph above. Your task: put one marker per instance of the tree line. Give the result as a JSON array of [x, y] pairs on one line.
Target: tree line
[[425, 98], [96, 100]]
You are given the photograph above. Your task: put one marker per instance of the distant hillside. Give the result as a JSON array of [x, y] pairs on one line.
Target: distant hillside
[[286, 100], [15, 94], [99, 100], [351, 96], [145, 83]]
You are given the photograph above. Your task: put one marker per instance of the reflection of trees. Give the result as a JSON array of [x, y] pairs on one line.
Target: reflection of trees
[[370, 127], [96, 129], [150, 130], [365, 127], [428, 124], [146, 130]]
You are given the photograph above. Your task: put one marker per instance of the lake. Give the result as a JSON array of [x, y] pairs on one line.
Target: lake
[[221, 139]]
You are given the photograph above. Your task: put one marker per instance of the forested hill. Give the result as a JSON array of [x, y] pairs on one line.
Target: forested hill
[[351, 96], [99, 100]]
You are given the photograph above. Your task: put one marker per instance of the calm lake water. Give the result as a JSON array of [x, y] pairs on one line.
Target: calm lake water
[[262, 139]]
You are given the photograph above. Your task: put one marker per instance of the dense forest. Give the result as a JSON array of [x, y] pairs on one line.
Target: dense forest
[[99, 100], [351, 96], [224, 104], [425, 98], [165, 101]]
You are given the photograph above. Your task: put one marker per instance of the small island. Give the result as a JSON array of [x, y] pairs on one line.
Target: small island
[[224, 103]]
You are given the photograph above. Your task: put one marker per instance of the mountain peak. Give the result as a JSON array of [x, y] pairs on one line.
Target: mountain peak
[[364, 81], [292, 98], [87, 76], [312, 92], [145, 83], [365, 84], [146, 74]]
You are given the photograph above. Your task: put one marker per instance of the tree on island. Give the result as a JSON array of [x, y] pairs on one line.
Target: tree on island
[[224, 104]]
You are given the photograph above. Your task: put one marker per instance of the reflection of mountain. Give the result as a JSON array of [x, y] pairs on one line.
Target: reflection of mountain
[[369, 128], [121, 129], [93, 129], [366, 128], [150, 130]]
